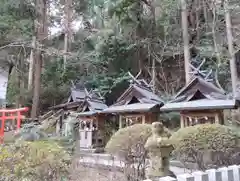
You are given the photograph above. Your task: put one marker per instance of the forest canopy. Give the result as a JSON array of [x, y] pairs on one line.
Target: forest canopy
[[51, 44]]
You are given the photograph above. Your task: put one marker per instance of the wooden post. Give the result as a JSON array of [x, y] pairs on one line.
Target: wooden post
[[186, 122], [58, 127], [91, 124], [143, 119], [190, 121], [182, 121], [18, 120], [196, 120], [120, 122], [97, 122], [61, 122], [221, 117], [217, 118], [2, 128]]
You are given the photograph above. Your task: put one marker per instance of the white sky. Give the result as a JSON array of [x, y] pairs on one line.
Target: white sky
[[76, 24]]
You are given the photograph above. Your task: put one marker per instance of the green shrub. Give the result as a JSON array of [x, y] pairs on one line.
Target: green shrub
[[207, 145], [128, 144], [38, 160], [126, 141]]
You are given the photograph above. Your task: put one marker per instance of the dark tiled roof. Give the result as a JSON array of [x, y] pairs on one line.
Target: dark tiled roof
[[82, 114], [141, 93], [77, 94], [131, 108], [95, 95], [148, 94], [94, 102], [68, 105], [140, 90], [79, 86], [96, 105], [203, 104], [199, 94], [198, 84]]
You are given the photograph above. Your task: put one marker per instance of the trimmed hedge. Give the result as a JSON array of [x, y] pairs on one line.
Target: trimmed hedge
[[208, 145], [128, 144], [129, 141]]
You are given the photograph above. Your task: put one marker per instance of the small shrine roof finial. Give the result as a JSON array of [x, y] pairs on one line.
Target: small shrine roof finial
[[196, 70]]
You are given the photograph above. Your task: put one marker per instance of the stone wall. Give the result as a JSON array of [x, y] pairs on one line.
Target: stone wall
[[231, 173]]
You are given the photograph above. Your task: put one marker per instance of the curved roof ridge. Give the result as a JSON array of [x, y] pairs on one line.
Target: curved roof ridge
[[203, 82]]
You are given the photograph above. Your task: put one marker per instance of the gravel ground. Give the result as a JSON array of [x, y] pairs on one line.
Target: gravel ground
[[116, 163], [98, 173], [92, 169], [84, 173]]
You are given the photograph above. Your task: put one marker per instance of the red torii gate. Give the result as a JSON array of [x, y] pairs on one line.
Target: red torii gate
[[11, 114]]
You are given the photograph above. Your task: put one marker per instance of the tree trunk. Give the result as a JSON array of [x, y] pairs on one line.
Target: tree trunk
[[152, 48], [233, 68], [67, 29], [31, 64], [154, 75], [20, 79], [37, 84], [215, 44], [41, 11], [185, 40]]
